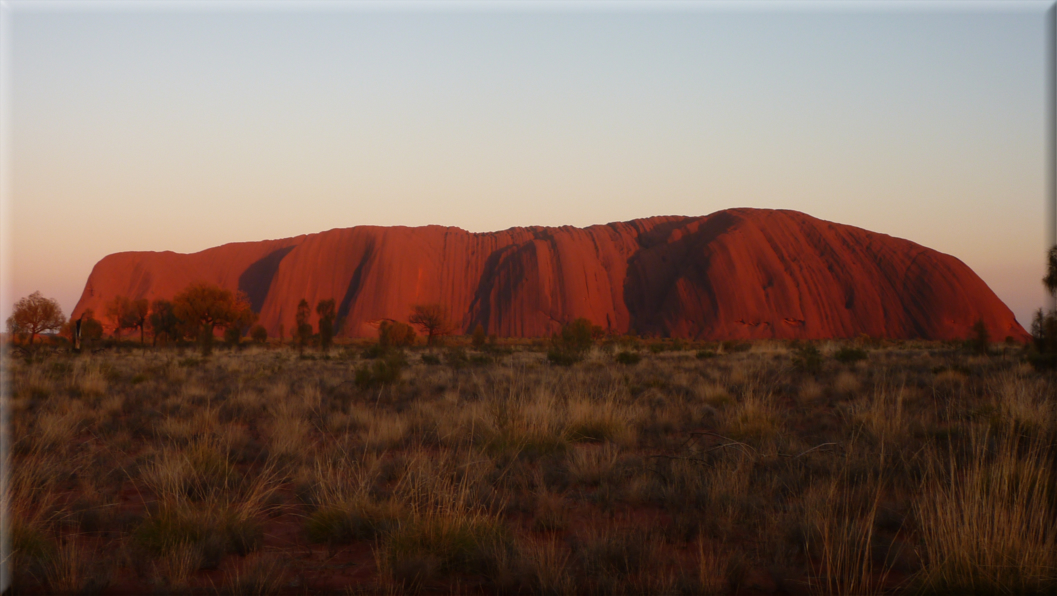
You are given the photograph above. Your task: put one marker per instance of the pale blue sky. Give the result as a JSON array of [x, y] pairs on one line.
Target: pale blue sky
[[185, 127]]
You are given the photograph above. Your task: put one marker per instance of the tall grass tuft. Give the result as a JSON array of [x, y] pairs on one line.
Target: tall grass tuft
[[711, 569], [261, 574], [550, 567], [988, 519], [447, 528], [881, 412]]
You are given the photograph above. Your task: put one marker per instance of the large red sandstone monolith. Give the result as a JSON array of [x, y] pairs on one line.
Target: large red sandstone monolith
[[734, 274]]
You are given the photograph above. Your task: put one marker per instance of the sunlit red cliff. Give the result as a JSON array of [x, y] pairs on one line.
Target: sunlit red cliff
[[734, 274]]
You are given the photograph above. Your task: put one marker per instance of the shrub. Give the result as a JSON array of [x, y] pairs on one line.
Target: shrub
[[445, 544], [979, 341], [1043, 352], [571, 344], [346, 522], [302, 330], [850, 355], [374, 351], [259, 334], [628, 342], [628, 358], [190, 362], [456, 358], [431, 359], [560, 358], [807, 358], [395, 334], [383, 371], [232, 336], [91, 330], [205, 341], [479, 336], [703, 354], [213, 533]]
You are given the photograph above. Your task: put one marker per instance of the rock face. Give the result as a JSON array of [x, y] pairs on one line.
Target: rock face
[[734, 274]]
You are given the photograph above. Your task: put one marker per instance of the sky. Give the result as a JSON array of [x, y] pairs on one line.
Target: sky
[[181, 126]]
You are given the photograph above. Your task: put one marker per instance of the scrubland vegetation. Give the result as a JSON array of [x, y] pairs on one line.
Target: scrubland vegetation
[[630, 468]]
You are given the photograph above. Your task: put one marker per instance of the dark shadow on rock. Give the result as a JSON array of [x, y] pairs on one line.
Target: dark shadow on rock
[[257, 278], [509, 272], [654, 269], [355, 285], [480, 311]]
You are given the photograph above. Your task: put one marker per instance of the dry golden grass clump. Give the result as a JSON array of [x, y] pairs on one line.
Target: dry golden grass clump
[[990, 519], [686, 469]]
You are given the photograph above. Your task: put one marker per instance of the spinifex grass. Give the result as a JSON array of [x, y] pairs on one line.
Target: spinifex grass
[[988, 520], [843, 537], [739, 473]]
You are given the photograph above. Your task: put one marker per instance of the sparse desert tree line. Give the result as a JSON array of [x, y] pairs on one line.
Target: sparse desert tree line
[[197, 313], [202, 309]]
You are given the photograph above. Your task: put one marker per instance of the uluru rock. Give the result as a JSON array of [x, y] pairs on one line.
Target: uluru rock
[[734, 274]]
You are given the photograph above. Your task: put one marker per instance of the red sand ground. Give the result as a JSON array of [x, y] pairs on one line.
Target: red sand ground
[[734, 274]]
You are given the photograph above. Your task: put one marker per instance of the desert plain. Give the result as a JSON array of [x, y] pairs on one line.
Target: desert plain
[[649, 467]]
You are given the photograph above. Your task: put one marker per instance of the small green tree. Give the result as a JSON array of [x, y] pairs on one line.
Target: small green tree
[[232, 337], [259, 334], [980, 339], [163, 321], [326, 311], [202, 307], [304, 330], [1050, 281], [479, 337], [136, 317], [91, 329], [1043, 353], [850, 355], [126, 313], [115, 313]]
